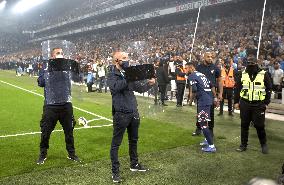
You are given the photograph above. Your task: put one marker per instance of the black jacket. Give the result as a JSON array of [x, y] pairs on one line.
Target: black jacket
[[162, 77], [123, 98]]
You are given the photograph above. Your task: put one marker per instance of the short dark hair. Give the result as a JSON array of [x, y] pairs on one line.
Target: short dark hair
[[53, 49], [189, 64]]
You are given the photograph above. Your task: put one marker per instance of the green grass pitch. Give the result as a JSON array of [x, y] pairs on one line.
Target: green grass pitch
[[165, 144]]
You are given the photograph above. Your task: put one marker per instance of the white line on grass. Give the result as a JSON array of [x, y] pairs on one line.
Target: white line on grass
[[82, 110], [33, 133], [89, 121]]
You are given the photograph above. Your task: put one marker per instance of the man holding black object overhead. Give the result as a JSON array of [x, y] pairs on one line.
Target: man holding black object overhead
[[56, 80], [124, 111], [252, 96]]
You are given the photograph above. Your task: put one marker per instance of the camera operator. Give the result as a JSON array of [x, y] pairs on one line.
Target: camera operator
[[125, 113], [57, 106]]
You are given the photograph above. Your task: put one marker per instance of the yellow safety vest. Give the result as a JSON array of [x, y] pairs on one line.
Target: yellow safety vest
[[253, 91]]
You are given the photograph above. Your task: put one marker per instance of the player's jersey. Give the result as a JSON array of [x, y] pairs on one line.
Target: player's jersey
[[202, 86]]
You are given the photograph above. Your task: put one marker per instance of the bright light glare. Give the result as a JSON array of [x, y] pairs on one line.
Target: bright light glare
[[25, 5], [2, 5]]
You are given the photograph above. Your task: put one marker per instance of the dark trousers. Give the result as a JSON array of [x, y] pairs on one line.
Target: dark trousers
[[52, 114], [121, 122], [155, 88], [203, 115], [210, 123], [227, 94], [89, 85], [101, 84], [254, 113], [180, 92], [278, 91], [163, 90]]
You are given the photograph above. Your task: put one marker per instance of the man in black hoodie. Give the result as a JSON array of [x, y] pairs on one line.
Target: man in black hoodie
[[252, 96], [163, 80]]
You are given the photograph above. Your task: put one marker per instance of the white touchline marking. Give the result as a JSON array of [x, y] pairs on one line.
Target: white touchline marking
[[21, 88], [82, 110], [89, 121], [33, 133]]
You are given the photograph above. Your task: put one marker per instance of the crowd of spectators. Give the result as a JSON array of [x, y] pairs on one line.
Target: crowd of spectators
[[227, 31], [11, 42], [88, 6], [145, 7]]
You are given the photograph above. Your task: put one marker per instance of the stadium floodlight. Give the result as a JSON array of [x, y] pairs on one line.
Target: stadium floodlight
[[25, 5], [2, 5]]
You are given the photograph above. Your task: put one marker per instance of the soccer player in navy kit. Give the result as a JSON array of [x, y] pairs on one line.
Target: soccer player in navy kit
[[205, 92]]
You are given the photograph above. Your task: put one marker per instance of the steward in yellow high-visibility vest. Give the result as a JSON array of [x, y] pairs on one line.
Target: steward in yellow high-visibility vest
[[253, 90], [252, 96]]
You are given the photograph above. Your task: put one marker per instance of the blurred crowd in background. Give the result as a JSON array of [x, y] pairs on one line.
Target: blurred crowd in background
[[227, 31]]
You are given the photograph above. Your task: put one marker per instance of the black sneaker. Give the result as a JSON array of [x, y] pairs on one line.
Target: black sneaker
[[242, 148], [74, 158], [41, 159], [138, 167], [231, 113], [264, 149], [116, 178], [197, 132]]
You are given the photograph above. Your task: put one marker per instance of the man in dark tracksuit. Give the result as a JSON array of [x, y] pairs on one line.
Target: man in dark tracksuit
[[252, 96], [162, 80], [57, 106], [213, 74], [125, 113]]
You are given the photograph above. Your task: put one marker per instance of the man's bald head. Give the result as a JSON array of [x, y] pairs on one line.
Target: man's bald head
[[120, 56]]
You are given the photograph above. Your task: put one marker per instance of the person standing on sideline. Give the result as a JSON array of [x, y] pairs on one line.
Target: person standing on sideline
[[252, 96], [101, 69], [213, 74], [57, 107], [90, 80], [277, 80], [227, 74], [162, 80], [180, 81], [172, 74], [125, 113], [204, 92]]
